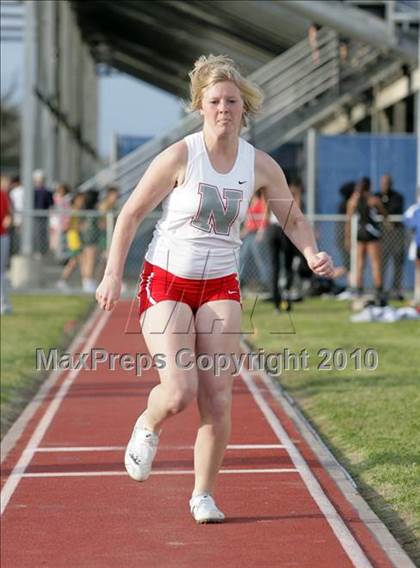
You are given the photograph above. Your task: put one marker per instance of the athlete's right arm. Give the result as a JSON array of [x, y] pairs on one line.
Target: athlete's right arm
[[166, 170]]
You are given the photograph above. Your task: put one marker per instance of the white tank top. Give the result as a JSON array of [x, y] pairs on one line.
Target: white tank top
[[198, 233]]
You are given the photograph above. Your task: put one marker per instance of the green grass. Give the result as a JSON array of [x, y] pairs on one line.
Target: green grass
[[37, 321], [370, 419]]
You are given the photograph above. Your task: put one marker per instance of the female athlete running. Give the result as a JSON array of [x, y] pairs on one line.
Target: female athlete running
[[189, 280]]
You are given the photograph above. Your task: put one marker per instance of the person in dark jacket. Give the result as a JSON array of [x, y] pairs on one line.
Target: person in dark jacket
[[393, 234], [43, 200]]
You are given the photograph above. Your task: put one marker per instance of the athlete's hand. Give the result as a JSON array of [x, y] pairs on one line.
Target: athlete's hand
[[322, 265], [108, 292]]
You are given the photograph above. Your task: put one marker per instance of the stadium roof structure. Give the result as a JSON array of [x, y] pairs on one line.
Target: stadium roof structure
[[158, 40]]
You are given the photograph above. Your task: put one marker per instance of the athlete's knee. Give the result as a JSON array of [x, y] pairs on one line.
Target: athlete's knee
[[218, 406], [179, 399]]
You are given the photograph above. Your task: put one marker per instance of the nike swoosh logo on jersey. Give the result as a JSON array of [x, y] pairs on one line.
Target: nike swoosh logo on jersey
[[241, 182], [231, 291]]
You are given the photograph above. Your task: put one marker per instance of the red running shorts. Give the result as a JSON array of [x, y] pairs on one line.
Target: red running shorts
[[158, 285]]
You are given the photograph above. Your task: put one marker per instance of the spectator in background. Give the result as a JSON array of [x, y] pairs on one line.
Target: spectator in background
[[343, 64], [412, 221], [343, 238], [393, 234], [313, 41], [369, 207], [280, 244], [343, 51], [74, 242], [16, 196], [108, 205], [59, 222], [302, 268], [251, 263], [43, 200], [90, 239], [5, 224]]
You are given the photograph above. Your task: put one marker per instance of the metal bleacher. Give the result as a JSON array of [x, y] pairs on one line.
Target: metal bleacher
[[300, 90]]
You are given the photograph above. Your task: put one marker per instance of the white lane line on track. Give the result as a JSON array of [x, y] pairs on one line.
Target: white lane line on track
[[16, 475], [341, 531], [120, 448], [161, 472]]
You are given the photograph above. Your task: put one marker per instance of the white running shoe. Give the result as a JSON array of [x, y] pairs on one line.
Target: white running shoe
[[89, 285], [346, 295], [140, 452], [204, 509], [63, 286]]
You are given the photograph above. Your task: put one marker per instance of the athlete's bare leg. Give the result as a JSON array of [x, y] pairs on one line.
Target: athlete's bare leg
[[70, 267], [167, 328], [88, 260], [218, 332], [360, 264], [374, 252]]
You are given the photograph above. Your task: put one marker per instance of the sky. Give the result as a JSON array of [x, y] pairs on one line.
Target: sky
[[126, 105]]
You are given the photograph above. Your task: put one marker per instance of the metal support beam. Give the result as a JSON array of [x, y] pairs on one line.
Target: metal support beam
[[49, 86], [145, 71], [25, 270], [63, 120], [28, 124], [354, 23]]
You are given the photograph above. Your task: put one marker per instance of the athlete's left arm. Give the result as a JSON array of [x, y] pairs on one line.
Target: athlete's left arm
[[270, 178]]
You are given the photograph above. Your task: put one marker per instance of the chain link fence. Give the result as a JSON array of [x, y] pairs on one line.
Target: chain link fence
[[337, 235], [72, 247]]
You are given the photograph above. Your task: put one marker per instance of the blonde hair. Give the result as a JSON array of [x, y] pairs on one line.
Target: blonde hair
[[212, 69]]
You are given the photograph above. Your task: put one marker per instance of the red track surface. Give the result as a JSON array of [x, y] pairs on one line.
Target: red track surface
[[111, 521]]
